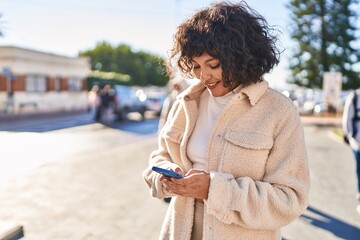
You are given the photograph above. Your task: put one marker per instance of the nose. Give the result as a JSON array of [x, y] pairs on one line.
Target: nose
[[204, 75]]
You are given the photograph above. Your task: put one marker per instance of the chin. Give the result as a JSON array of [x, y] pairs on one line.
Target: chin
[[215, 94]]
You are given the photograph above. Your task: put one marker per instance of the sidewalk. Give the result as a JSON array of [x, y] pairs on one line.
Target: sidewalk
[[93, 192], [331, 214], [329, 120], [96, 192]]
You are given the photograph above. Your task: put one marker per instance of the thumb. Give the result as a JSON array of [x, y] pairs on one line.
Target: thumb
[[178, 170]]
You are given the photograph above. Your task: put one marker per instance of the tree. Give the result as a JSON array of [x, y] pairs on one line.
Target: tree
[[143, 68], [325, 34], [102, 78]]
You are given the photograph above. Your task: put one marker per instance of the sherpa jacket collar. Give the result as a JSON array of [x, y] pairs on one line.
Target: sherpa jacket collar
[[253, 91]]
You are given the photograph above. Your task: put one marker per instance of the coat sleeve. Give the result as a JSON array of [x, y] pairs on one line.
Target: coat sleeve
[[280, 197], [160, 158]]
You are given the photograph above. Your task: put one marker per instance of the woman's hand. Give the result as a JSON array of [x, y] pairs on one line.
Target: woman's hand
[[195, 184], [177, 170]]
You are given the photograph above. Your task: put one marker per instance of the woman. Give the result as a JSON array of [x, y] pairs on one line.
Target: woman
[[238, 143]]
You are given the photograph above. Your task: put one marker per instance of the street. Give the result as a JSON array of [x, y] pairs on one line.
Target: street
[[49, 139], [82, 181], [331, 213]]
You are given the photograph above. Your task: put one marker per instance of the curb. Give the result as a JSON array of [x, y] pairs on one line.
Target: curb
[[27, 116], [322, 121]]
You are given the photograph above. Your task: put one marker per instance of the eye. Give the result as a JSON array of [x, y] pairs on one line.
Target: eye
[[215, 66], [196, 66]]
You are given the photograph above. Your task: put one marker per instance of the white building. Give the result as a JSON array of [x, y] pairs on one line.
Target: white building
[[33, 81]]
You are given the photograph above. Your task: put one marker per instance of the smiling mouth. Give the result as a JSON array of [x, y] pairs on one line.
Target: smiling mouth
[[212, 85]]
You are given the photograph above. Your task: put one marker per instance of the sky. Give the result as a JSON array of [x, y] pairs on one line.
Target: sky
[[69, 26]]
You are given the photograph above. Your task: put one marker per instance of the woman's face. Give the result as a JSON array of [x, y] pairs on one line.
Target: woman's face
[[209, 71]]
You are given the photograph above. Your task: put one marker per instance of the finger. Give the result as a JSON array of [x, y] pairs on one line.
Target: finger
[[186, 192], [169, 186], [164, 177], [184, 181], [175, 185], [193, 171], [179, 189], [166, 184], [181, 192], [178, 170]]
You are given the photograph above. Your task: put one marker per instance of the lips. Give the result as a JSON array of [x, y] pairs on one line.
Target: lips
[[212, 85]]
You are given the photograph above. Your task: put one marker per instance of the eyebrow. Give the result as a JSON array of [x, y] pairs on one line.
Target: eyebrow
[[206, 61]]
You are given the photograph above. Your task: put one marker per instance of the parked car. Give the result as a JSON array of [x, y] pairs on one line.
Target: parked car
[[128, 101], [320, 107], [154, 102]]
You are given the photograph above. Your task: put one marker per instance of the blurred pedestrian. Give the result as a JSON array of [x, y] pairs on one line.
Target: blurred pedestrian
[[107, 104], [351, 128], [238, 144], [176, 86], [93, 100]]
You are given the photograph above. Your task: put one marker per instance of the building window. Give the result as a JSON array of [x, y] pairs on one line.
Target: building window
[[35, 83], [57, 84], [74, 84]]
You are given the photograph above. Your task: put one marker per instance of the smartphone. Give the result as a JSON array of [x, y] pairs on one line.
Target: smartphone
[[167, 172]]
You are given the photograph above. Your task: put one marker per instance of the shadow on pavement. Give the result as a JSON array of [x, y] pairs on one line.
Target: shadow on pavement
[[145, 127], [331, 224], [42, 124]]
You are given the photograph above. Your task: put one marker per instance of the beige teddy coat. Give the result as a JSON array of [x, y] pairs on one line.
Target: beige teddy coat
[[259, 177]]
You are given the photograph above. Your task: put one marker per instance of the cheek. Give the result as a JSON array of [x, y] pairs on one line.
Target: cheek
[[218, 74], [196, 73]]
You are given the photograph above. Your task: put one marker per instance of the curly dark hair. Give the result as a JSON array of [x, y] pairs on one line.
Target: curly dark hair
[[236, 35]]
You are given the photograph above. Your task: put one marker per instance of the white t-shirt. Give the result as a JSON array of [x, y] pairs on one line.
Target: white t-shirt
[[210, 108]]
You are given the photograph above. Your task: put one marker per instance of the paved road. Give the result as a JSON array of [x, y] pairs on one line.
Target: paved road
[[331, 214], [89, 186], [57, 121]]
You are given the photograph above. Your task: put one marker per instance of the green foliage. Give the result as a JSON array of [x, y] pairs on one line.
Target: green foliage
[[324, 31], [143, 68], [101, 78]]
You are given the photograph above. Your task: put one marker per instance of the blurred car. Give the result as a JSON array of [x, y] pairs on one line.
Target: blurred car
[[307, 107], [320, 108], [154, 102], [127, 101]]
